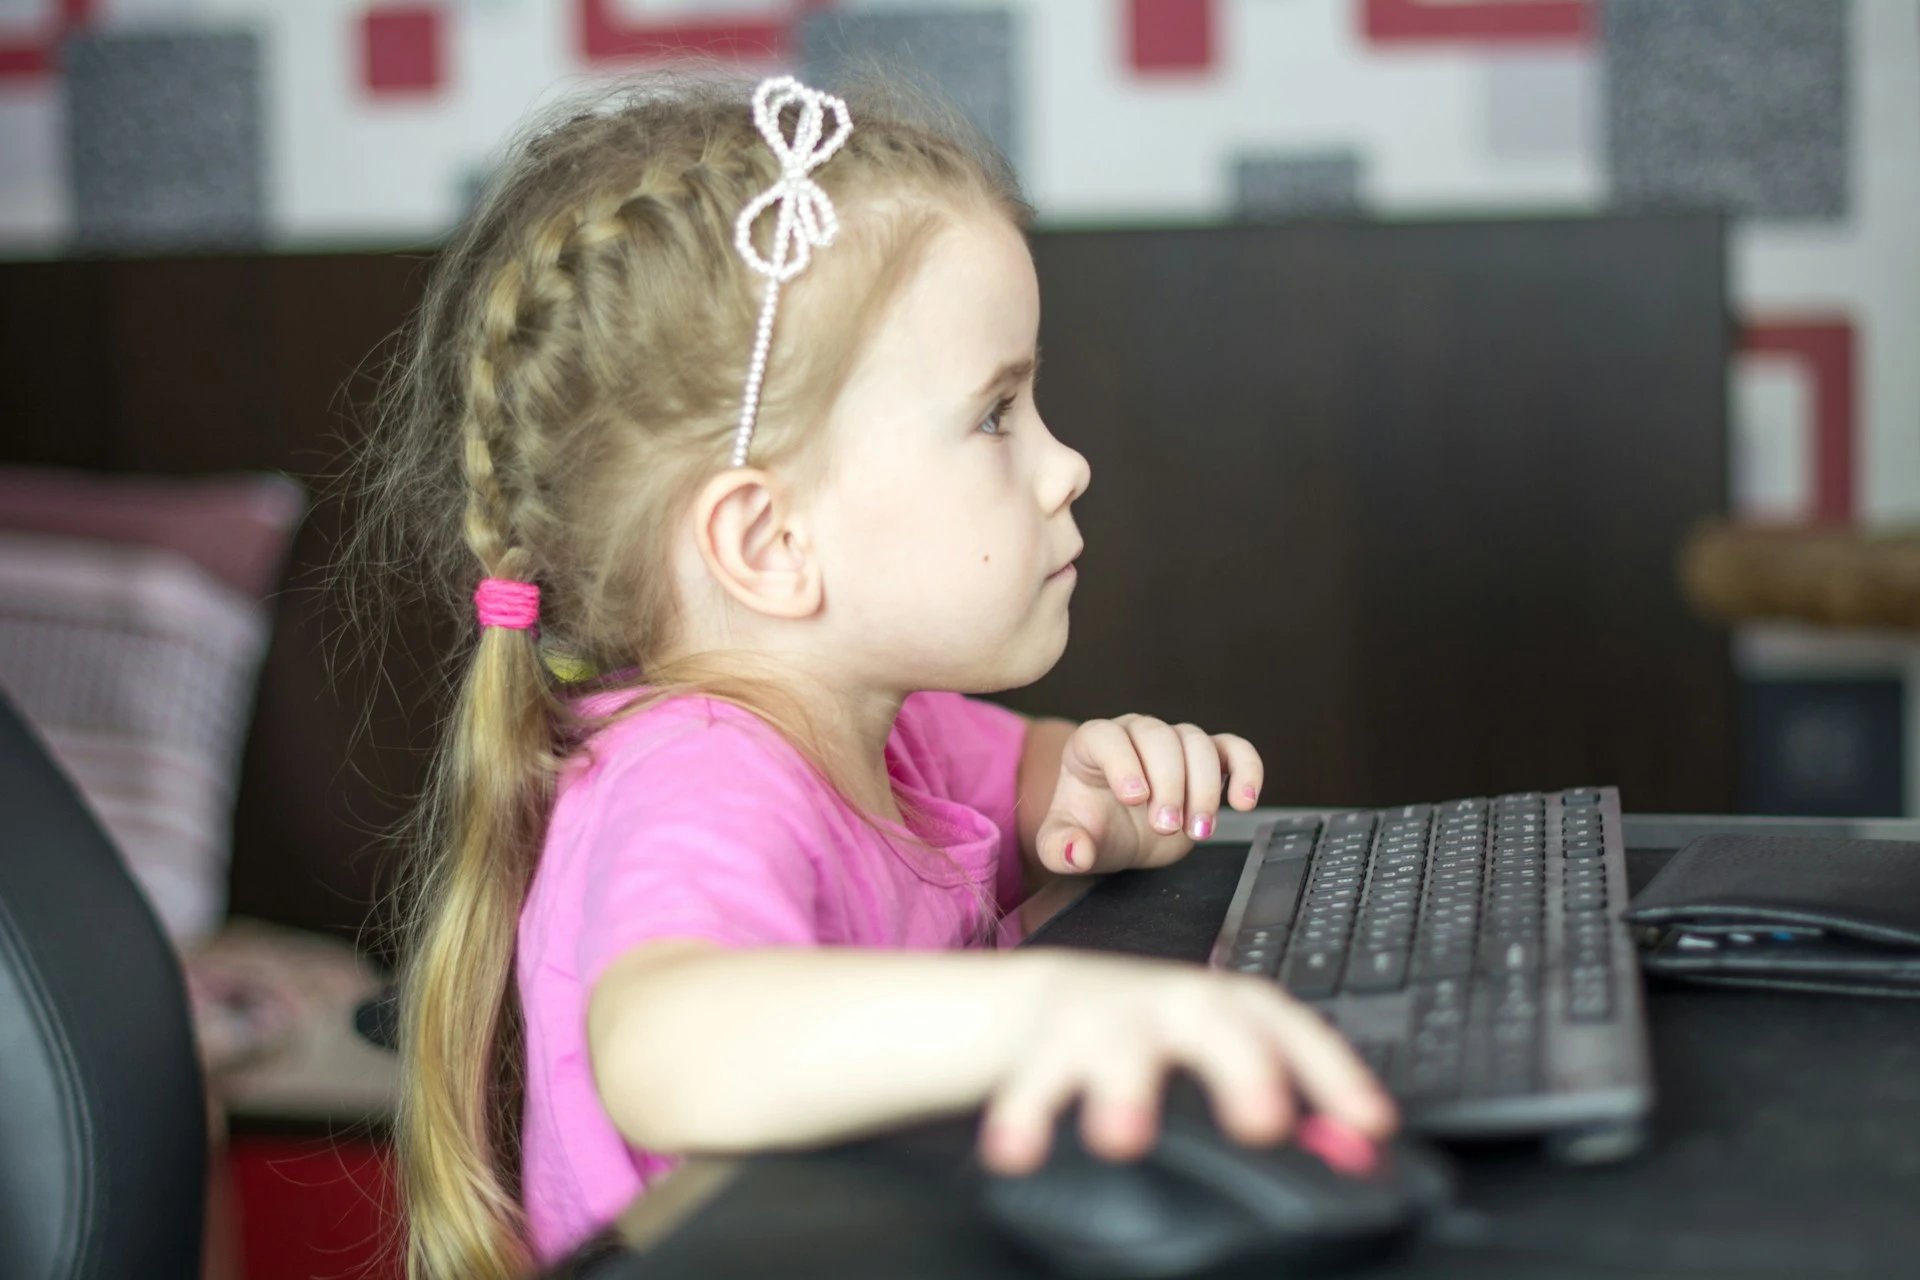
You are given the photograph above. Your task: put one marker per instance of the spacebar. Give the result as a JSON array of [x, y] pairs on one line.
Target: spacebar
[[1276, 893]]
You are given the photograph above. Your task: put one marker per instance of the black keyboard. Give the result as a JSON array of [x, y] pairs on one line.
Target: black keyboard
[[1473, 954]]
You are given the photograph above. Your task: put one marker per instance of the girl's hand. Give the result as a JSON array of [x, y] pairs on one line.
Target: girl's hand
[[1109, 1028], [1137, 792]]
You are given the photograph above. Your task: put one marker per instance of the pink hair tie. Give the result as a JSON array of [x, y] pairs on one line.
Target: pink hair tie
[[507, 602]]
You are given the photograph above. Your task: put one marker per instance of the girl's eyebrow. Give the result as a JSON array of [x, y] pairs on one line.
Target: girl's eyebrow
[[1012, 371]]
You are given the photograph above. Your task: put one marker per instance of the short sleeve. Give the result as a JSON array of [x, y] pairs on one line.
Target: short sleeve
[[977, 747], [704, 836]]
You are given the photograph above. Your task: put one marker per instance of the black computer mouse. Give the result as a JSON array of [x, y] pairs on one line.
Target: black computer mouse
[[1201, 1201]]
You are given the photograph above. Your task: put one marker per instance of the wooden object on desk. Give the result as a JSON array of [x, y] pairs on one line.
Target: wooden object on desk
[[1835, 577]]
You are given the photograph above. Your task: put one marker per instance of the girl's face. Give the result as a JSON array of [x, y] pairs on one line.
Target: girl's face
[[944, 523]]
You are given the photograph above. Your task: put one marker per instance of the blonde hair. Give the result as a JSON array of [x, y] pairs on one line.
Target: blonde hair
[[572, 376]]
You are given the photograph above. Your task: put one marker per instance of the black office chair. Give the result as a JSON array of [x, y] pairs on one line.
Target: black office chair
[[103, 1119]]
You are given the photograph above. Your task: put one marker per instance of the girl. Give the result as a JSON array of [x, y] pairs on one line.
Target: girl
[[719, 897]]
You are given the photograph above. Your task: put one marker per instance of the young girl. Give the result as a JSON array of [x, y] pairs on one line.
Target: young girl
[[724, 397]]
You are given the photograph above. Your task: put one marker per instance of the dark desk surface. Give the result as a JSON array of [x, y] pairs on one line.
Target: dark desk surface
[[1785, 1139]]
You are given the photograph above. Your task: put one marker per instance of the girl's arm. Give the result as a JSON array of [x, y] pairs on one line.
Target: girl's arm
[[1039, 775], [696, 1047], [700, 1048]]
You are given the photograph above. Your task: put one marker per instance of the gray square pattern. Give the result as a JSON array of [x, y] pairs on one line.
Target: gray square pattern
[[967, 54], [1541, 105], [1270, 188], [1734, 104], [164, 139]]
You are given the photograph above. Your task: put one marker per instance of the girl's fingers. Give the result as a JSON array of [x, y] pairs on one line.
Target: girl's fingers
[[1329, 1072], [1016, 1129], [1203, 779], [1101, 753], [1245, 772], [1251, 1097], [1120, 1116], [1066, 848], [1160, 750]]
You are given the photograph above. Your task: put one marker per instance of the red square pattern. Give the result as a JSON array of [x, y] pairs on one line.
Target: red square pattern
[[1479, 21], [34, 55], [607, 36], [403, 50], [1825, 347], [1170, 35]]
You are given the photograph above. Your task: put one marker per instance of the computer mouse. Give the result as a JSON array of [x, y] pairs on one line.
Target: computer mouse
[[1200, 1200]]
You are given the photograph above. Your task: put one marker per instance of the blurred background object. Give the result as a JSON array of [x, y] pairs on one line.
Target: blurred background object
[[1834, 577], [1480, 394]]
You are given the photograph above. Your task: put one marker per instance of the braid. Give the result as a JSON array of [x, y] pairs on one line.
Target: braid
[[519, 308], [511, 388]]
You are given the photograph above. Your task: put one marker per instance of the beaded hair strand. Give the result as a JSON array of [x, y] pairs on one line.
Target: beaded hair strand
[[806, 217]]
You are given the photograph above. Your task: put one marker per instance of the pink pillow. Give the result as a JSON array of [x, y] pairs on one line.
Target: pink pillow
[[132, 628], [236, 527]]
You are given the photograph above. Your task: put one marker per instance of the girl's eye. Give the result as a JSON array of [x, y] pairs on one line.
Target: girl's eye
[[1000, 411]]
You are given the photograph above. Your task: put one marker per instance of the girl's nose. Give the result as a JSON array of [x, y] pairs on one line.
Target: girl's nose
[[1067, 476]]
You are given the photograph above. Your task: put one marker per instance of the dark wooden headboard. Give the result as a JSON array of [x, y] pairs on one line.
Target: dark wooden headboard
[[1398, 502]]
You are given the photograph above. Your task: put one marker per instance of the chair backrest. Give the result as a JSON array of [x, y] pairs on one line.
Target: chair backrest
[[103, 1121]]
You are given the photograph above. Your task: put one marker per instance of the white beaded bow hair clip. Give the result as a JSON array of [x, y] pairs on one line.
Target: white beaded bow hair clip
[[806, 216]]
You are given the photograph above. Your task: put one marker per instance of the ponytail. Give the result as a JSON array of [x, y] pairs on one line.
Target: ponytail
[[458, 1123]]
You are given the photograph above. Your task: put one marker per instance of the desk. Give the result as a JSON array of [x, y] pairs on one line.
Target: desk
[[1785, 1138]]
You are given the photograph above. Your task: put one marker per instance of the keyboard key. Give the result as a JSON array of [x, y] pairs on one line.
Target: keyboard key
[[1452, 961], [1591, 1006], [1508, 954], [1502, 1044], [1276, 894], [1378, 1055], [1436, 1038], [1370, 971], [1289, 847], [1311, 974], [1260, 960], [1582, 796], [1589, 993], [1513, 1069], [1350, 824]]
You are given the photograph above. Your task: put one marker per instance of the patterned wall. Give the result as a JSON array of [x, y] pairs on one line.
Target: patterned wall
[[149, 125]]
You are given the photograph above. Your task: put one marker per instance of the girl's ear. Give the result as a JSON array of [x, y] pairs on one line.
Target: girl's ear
[[746, 526]]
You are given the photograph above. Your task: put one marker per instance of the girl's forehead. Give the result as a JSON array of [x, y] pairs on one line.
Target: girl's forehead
[[970, 307], [976, 285], [966, 306]]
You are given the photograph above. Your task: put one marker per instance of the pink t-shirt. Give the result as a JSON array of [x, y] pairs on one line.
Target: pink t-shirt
[[694, 818]]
